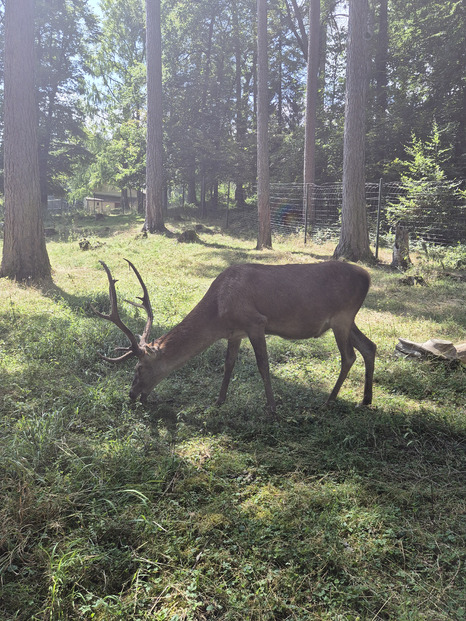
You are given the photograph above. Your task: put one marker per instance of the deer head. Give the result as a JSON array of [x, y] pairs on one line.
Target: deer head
[[146, 353]]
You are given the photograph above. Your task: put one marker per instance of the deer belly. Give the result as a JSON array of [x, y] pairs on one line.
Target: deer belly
[[296, 330]]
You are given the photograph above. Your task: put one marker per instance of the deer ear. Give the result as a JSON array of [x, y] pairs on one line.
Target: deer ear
[[151, 350]]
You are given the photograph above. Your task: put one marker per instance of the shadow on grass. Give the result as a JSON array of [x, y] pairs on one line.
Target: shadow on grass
[[324, 482], [340, 506], [328, 512]]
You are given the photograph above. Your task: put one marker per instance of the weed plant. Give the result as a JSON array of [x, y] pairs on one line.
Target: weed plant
[[185, 511]]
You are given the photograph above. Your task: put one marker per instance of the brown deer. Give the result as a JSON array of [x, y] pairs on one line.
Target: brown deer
[[298, 301]]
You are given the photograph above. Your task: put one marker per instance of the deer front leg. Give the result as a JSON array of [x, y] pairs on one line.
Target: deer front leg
[[347, 359], [232, 354], [367, 349], [259, 345]]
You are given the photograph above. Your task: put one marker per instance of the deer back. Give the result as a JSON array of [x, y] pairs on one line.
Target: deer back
[[296, 301]]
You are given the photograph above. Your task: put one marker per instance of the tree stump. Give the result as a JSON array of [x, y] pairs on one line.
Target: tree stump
[[189, 237], [400, 257]]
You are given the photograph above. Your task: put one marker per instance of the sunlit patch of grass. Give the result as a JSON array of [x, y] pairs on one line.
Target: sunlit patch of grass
[[184, 510]]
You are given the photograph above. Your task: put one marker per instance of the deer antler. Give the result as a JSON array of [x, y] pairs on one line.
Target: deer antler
[[145, 304], [136, 348]]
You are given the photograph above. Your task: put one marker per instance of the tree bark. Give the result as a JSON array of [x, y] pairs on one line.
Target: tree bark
[[191, 179], [240, 119], [312, 95], [24, 252], [154, 157], [381, 83], [354, 236], [381, 61], [124, 200], [400, 257], [264, 238], [140, 195], [312, 92]]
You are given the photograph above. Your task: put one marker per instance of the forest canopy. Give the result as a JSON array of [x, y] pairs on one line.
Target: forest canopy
[[91, 82]]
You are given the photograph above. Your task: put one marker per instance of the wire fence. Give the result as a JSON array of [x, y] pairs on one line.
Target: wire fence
[[431, 212]]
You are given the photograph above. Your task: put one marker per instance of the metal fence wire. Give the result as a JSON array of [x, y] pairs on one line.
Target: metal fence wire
[[431, 212]]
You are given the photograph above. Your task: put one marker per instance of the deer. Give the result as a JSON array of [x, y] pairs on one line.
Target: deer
[[295, 301]]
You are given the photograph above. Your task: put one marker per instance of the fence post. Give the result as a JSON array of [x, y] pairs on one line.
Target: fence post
[[379, 206]]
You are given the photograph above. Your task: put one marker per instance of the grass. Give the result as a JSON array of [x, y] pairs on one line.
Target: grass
[[185, 511]]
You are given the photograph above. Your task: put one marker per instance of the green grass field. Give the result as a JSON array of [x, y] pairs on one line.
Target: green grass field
[[186, 511]]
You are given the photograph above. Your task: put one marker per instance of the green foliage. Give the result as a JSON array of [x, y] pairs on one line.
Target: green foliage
[[182, 510], [116, 98], [448, 257], [427, 197], [90, 79], [64, 30], [426, 160], [425, 65]]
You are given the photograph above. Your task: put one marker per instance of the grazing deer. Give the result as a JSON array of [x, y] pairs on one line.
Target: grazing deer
[[297, 301]]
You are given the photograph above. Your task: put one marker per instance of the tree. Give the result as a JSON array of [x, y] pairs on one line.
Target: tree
[[264, 237], [381, 76], [63, 31], [429, 201], [312, 94], [208, 113], [312, 91], [354, 237], [154, 157], [209, 87], [240, 107], [420, 73], [117, 99], [24, 251], [120, 161]]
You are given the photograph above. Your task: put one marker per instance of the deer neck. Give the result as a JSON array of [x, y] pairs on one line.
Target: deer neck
[[189, 338]]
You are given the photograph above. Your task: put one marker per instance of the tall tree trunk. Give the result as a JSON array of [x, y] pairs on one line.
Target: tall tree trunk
[[280, 76], [208, 60], [239, 108], [154, 164], [124, 200], [24, 251], [45, 141], [381, 82], [312, 94], [191, 179], [214, 194], [264, 238], [203, 212], [354, 237], [381, 60], [140, 195]]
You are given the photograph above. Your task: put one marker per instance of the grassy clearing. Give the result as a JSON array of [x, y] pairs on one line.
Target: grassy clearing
[[184, 511]]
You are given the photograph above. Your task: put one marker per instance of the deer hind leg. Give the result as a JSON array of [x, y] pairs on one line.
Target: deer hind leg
[[257, 338], [232, 354], [367, 350], [342, 337]]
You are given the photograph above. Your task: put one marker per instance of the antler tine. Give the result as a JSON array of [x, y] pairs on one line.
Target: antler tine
[[146, 305], [129, 354], [114, 317]]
